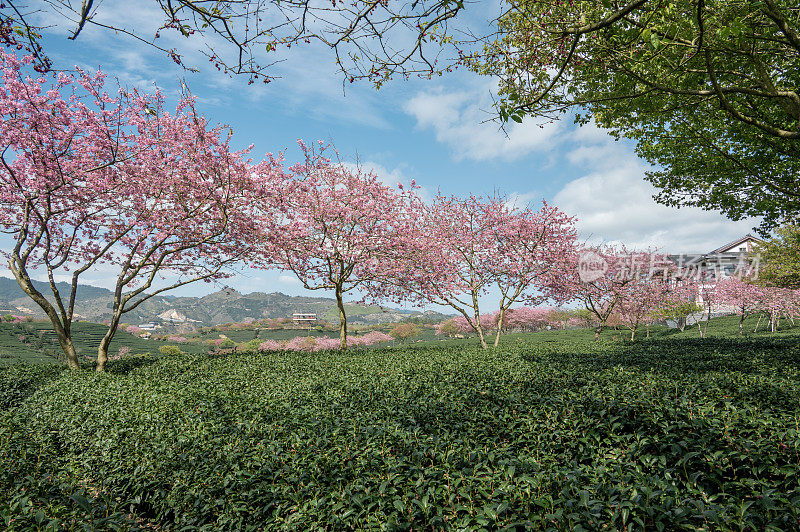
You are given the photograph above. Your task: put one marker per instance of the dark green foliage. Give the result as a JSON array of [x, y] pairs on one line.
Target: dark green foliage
[[556, 433], [19, 381], [780, 259]]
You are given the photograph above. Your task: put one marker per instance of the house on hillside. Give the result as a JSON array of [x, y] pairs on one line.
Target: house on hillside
[[730, 259]]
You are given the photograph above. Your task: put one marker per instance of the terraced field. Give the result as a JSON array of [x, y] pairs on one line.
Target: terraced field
[[36, 342]]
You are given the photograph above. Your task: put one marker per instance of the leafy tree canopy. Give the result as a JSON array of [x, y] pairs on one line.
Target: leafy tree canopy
[[706, 88], [780, 259]]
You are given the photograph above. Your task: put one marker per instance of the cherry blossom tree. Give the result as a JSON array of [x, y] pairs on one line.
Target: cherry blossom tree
[[340, 230], [461, 247], [742, 295], [599, 275], [640, 301], [776, 302], [90, 179], [529, 318], [534, 252], [447, 255]]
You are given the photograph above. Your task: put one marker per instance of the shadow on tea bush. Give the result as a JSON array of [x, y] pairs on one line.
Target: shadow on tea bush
[[18, 382]]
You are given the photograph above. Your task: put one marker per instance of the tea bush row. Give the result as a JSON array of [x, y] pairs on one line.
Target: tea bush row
[[661, 435]]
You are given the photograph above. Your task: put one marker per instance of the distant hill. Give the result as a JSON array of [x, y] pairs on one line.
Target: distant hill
[[224, 306]]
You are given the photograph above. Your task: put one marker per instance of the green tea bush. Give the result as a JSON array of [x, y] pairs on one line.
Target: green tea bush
[[18, 382], [669, 434]]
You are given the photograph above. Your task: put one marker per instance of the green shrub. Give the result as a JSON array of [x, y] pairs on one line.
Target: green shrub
[[170, 350]]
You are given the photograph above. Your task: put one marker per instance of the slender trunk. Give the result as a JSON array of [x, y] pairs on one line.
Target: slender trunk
[[102, 349], [478, 327], [773, 322], [758, 323], [648, 330], [633, 333], [708, 319], [499, 326], [480, 333], [597, 332], [61, 329], [342, 319], [682, 324], [700, 327], [116, 315], [741, 323]]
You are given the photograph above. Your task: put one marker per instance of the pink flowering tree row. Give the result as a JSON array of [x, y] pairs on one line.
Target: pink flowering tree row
[[748, 298], [310, 343], [514, 319], [627, 288]]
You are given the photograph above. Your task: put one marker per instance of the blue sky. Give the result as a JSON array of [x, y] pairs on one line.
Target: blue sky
[[433, 131]]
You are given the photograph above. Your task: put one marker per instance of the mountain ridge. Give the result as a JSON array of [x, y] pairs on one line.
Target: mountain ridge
[[223, 306]]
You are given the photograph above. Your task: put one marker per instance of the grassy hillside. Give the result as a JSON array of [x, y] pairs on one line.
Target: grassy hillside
[[551, 432]]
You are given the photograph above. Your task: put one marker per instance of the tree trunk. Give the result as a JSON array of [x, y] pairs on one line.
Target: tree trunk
[[342, 319], [102, 349], [499, 326], [682, 323], [633, 333], [648, 330], [480, 333], [700, 327], [758, 323], [597, 332], [69, 349], [708, 319], [61, 329], [478, 327], [741, 323]]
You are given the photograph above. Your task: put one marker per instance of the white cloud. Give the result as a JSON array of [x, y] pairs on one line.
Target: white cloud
[[288, 279], [614, 203], [521, 201], [459, 120]]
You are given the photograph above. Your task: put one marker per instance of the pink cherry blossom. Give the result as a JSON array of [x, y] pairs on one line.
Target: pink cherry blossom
[[459, 248]]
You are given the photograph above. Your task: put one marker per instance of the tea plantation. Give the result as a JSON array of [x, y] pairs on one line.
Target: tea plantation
[[549, 432], [36, 342]]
